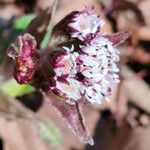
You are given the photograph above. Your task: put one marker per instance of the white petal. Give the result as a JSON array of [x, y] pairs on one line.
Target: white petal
[[72, 90]]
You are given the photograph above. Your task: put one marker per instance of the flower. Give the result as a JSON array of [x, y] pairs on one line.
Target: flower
[[96, 92], [26, 58], [99, 59], [64, 62], [88, 69], [79, 66], [88, 72], [79, 24], [85, 23]]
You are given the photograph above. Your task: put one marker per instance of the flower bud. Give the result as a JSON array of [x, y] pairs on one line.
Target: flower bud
[[26, 58]]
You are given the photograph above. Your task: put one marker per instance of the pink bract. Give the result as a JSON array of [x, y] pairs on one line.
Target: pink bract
[[26, 58]]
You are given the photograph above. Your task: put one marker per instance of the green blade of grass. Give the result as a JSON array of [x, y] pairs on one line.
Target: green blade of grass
[[12, 88], [23, 22]]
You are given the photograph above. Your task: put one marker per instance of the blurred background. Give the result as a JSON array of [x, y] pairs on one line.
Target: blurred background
[[27, 122]]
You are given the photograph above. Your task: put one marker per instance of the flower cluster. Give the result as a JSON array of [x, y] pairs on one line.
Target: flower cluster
[[79, 64], [85, 23], [85, 71]]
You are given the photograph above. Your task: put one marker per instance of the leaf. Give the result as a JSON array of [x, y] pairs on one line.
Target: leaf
[[60, 32], [46, 38], [12, 88], [23, 22], [72, 116], [117, 38], [50, 133], [39, 25]]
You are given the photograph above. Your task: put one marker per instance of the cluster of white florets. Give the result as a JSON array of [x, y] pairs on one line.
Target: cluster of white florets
[[85, 23], [88, 72]]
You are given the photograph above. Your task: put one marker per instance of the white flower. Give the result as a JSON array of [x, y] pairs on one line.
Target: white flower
[[72, 90], [96, 93], [66, 64], [97, 64], [84, 24], [90, 68], [100, 61]]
